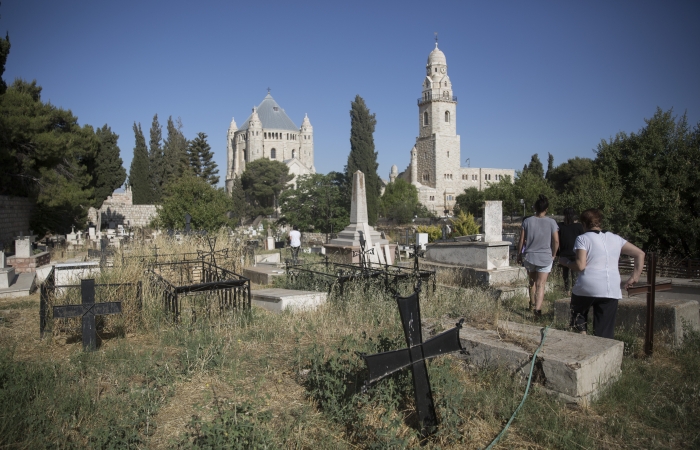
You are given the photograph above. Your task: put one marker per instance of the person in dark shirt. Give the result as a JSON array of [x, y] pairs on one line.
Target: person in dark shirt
[[569, 230]]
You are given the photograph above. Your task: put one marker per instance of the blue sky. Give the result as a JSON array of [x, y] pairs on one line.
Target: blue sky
[[531, 77]]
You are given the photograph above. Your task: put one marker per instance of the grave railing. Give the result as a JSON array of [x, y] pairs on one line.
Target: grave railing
[[198, 283], [52, 294], [686, 268]]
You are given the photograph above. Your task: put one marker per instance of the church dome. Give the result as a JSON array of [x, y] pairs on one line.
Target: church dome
[[394, 169], [437, 57]]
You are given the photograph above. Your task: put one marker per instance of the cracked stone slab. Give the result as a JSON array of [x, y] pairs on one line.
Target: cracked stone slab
[[576, 367]]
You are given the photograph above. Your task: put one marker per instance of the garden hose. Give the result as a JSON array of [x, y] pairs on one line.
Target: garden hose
[[527, 389]]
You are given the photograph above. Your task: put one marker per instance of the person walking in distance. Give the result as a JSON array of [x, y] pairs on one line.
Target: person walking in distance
[[295, 242], [541, 234], [569, 230]]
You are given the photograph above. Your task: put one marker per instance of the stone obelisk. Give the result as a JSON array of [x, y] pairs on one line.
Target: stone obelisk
[[349, 238]]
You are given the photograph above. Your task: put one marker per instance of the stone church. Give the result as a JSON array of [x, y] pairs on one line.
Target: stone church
[[270, 133], [435, 167]]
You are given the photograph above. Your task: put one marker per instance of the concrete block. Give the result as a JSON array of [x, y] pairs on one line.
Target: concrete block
[[7, 277], [671, 315], [268, 258], [23, 248], [278, 300], [263, 274], [470, 275], [574, 366], [478, 255]]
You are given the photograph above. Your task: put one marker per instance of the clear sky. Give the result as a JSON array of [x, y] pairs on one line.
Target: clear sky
[[530, 76]]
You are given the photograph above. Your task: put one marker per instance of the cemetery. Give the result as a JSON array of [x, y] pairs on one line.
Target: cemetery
[[338, 349]]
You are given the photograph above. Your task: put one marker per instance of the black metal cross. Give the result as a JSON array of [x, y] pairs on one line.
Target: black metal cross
[[384, 364], [87, 310], [650, 289]]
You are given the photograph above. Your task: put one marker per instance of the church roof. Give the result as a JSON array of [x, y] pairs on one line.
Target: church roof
[[271, 116], [437, 56]]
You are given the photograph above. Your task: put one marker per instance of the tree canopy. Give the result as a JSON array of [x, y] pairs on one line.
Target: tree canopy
[[139, 180], [316, 203], [201, 159], [362, 156], [263, 180], [207, 205], [400, 202]]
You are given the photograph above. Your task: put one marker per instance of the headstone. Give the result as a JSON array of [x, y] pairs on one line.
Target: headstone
[[493, 221], [23, 247], [92, 232], [2, 259], [422, 240], [88, 309], [384, 364], [350, 236]]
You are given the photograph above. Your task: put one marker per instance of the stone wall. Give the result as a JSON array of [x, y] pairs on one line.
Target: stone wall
[[128, 215], [14, 217]]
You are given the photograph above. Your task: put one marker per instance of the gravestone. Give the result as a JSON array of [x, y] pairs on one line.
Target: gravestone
[[87, 310], [384, 364], [348, 240], [493, 221], [7, 274], [2, 259], [23, 246]]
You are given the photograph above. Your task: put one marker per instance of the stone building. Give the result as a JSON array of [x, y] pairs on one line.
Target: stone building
[[435, 167], [270, 133]]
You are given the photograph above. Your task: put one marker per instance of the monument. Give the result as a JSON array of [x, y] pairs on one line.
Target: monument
[[24, 260], [347, 245], [484, 262]]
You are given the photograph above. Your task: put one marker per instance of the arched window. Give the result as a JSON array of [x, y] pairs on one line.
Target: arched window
[[294, 153], [447, 116], [273, 154], [425, 118]]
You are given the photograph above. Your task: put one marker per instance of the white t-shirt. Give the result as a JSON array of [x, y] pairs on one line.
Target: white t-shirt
[[601, 277], [295, 238]]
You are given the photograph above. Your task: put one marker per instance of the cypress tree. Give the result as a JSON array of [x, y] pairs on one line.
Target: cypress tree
[[362, 155], [209, 168], [175, 160], [138, 172], [109, 173], [155, 159], [550, 166]]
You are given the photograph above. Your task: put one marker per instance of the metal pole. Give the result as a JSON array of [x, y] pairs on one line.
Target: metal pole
[[651, 303]]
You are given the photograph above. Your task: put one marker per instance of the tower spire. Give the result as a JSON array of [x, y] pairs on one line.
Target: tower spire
[[436, 39]]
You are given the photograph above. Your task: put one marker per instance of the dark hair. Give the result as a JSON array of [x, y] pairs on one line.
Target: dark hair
[[592, 218], [295, 228], [569, 215], [541, 204]]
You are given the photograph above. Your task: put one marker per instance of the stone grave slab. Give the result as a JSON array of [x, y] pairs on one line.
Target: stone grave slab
[[263, 274], [7, 277], [670, 317], [267, 258], [23, 284], [71, 273], [30, 263], [278, 300], [574, 366]]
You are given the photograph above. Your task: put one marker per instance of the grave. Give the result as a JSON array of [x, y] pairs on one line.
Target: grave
[[574, 366], [347, 246], [484, 262], [268, 258], [671, 316], [263, 274], [7, 274], [24, 260], [87, 311], [278, 300], [71, 272]]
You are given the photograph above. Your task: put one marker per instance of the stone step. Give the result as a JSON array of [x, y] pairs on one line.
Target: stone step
[[278, 300], [574, 366], [671, 316]]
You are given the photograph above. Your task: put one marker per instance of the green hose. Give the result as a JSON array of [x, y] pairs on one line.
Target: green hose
[[527, 389]]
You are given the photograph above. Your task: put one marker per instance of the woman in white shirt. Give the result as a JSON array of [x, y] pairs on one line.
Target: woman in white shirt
[[599, 284]]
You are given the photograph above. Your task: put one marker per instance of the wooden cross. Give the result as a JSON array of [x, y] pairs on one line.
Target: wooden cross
[[650, 289], [384, 364], [87, 310]]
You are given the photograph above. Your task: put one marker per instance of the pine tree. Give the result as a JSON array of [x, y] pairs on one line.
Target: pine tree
[[550, 165], [108, 173], [535, 166], [209, 168], [155, 159], [362, 156], [193, 153], [138, 172], [4, 51]]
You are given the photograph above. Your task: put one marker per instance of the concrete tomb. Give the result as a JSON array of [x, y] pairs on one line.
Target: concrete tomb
[[278, 300], [485, 262], [671, 316], [572, 365], [24, 260]]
